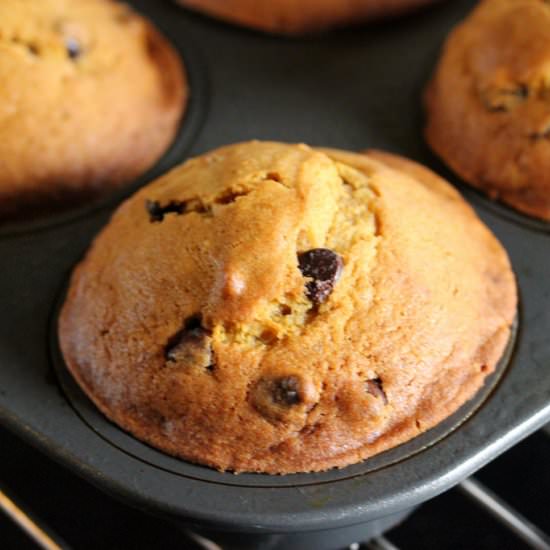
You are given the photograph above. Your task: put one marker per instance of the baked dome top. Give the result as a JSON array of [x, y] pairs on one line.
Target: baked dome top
[[91, 97], [488, 104], [275, 308]]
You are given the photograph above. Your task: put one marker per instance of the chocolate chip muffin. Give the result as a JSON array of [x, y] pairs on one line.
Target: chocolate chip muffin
[[292, 17], [488, 105], [275, 308], [91, 97]]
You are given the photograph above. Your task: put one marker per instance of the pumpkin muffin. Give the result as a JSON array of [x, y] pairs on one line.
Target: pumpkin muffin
[[91, 97], [488, 105], [294, 17], [275, 308]]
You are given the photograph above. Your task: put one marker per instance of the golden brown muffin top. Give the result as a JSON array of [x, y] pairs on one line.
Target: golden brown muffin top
[[271, 307], [91, 96], [489, 102]]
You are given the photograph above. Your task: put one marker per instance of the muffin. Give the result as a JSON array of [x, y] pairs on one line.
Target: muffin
[[292, 17], [91, 97], [275, 308], [488, 105]]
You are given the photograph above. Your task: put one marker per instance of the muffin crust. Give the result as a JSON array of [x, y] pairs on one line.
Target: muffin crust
[[488, 105], [274, 308], [91, 97]]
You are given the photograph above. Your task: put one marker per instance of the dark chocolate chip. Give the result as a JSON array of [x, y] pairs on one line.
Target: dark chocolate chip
[[286, 391], [157, 212], [376, 389], [191, 346], [285, 309], [193, 322], [73, 47], [185, 343], [542, 134], [196, 205], [522, 91], [281, 397], [501, 100], [324, 267]]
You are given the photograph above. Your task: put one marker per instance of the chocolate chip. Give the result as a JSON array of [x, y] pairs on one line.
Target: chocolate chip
[[33, 49], [541, 134], [283, 396], [285, 309], [193, 322], [324, 267], [157, 212], [376, 389], [191, 346], [500, 100], [73, 47], [286, 391]]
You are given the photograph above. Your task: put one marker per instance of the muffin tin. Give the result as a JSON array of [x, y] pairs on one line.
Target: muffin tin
[[352, 89]]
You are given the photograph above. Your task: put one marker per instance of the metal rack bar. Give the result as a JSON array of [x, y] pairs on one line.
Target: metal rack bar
[[473, 489], [380, 543], [202, 542], [27, 524], [512, 519]]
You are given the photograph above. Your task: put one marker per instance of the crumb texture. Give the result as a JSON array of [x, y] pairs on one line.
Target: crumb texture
[[275, 308], [91, 97], [488, 105], [291, 17]]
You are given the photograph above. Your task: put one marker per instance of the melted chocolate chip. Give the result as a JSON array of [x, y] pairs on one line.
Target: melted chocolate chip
[[33, 49], [279, 397], [501, 100], [541, 134], [193, 322], [324, 267], [376, 389], [286, 391], [157, 212], [73, 47], [191, 346]]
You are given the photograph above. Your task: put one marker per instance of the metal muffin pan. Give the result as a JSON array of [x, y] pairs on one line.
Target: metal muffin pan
[[352, 89]]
